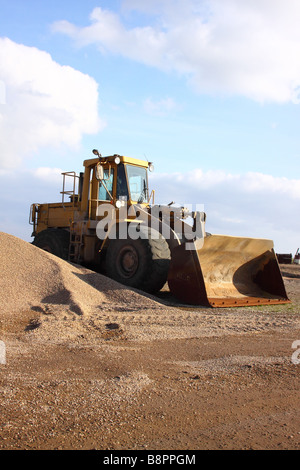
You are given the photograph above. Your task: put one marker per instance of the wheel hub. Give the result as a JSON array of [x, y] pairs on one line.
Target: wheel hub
[[128, 261]]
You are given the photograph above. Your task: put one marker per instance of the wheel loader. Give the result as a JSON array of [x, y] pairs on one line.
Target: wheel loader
[[107, 220]]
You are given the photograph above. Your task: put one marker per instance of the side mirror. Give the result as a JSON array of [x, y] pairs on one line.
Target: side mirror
[[96, 152], [99, 172]]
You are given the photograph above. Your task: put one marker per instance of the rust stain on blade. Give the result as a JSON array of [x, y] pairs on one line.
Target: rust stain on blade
[[227, 271]]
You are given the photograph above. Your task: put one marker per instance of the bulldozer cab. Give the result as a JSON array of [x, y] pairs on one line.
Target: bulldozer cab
[[131, 184], [117, 180]]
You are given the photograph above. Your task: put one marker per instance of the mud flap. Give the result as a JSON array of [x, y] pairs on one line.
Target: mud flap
[[225, 271]]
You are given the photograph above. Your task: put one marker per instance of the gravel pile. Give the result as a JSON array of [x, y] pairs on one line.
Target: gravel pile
[[59, 302], [31, 277], [40, 287]]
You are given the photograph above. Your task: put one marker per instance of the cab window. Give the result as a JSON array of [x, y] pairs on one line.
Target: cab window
[[122, 188], [138, 183], [106, 185]]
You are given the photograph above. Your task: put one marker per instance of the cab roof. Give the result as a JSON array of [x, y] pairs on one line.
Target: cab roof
[[111, 159]]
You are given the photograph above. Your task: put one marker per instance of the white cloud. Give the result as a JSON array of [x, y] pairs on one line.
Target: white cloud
[[222, 46], [46, 105], [48, 174], [2, 92], [250, 204]]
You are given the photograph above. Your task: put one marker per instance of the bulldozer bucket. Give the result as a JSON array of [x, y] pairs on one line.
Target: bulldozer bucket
[[225, 271]]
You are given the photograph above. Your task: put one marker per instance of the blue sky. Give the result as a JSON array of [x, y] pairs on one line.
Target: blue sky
[[206, 89]]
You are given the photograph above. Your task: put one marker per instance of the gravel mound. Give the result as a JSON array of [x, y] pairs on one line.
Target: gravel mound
[[31, 277], [34, 281], [46, 299]]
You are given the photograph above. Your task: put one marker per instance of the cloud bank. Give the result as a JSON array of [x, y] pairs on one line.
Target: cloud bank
[[250, 49], [250, 204], [42, 103]]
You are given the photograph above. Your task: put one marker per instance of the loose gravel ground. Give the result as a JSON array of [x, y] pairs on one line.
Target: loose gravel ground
[[91, 364]]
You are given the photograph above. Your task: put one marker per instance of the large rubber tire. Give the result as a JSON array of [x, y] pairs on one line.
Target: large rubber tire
[[55, 241], [142, 263]]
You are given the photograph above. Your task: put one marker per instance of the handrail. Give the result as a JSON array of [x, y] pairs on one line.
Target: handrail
[[71, 192]]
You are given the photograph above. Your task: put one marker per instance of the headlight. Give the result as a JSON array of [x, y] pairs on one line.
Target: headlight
[[120, 203], [151, 166]]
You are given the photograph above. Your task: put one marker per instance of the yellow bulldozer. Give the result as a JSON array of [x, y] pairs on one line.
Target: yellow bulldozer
[[108, 221]]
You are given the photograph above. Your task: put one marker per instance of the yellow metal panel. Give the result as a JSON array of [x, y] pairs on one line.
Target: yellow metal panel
[[111, 159], [55, 215]]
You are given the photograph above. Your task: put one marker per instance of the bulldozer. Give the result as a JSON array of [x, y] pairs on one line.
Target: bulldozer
[[108, 221]]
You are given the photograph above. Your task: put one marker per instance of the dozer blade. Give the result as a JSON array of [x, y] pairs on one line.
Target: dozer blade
[[225, 271]]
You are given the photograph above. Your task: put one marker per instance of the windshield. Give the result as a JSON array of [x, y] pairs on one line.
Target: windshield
[[137, 181]]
